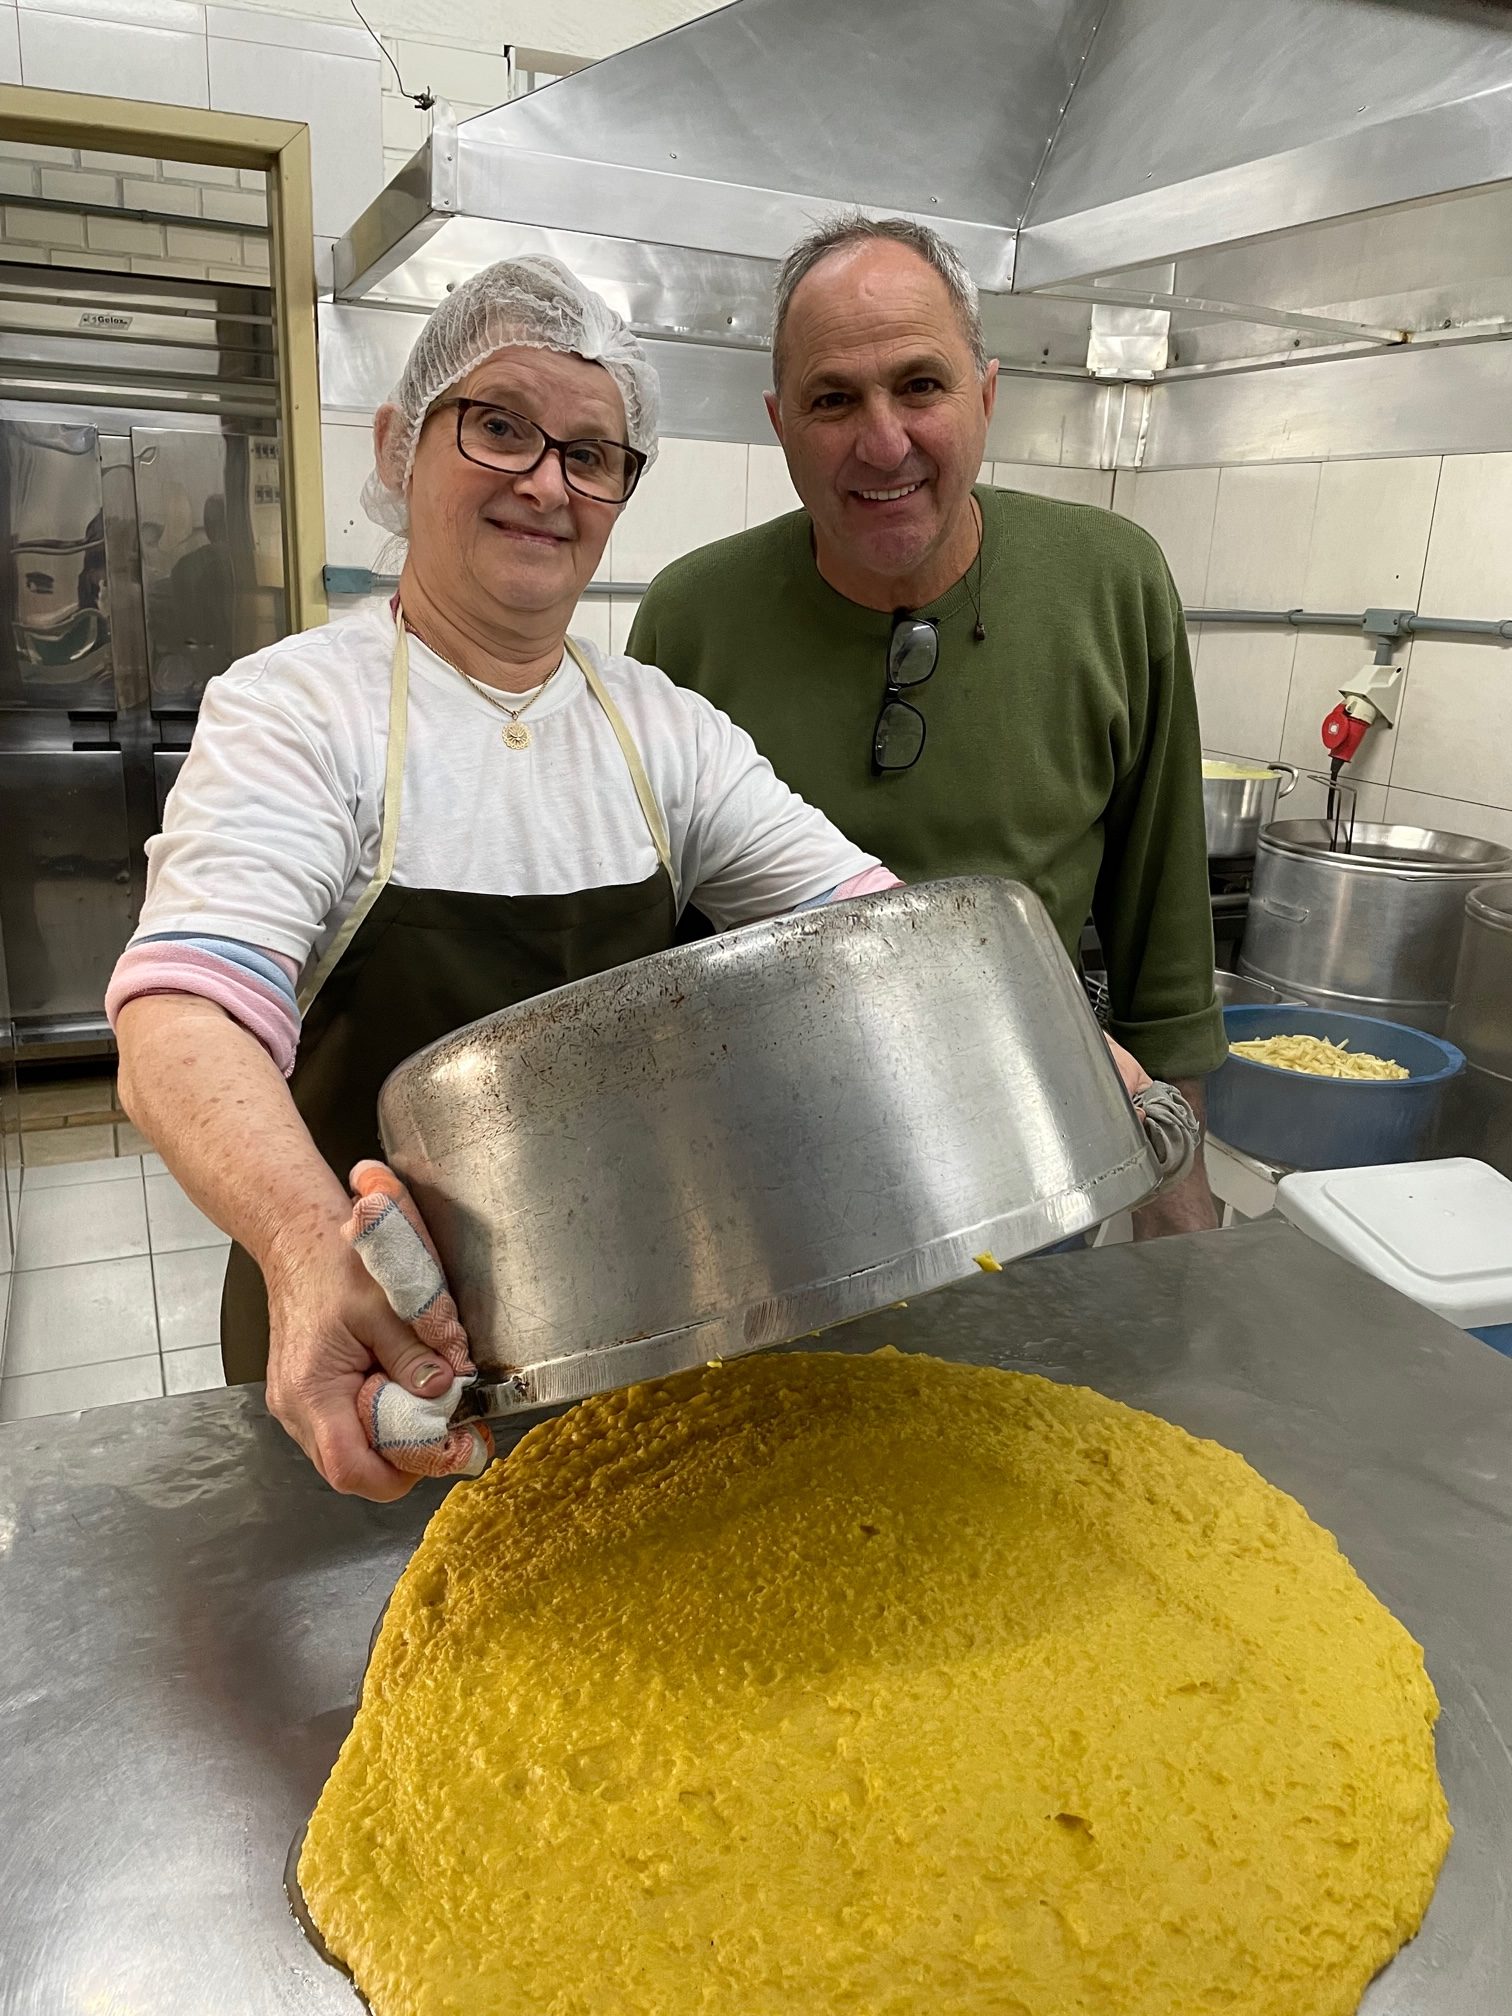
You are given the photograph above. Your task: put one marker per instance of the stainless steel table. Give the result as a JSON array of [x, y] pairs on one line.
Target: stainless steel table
[[184, 1609]]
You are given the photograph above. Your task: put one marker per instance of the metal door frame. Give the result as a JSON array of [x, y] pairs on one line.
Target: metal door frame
[[281, 149]]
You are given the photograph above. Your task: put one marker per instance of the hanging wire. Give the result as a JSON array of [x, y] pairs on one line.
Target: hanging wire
[[425, 98]]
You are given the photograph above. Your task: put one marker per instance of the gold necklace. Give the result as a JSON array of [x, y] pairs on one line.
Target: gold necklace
[[514, 736]]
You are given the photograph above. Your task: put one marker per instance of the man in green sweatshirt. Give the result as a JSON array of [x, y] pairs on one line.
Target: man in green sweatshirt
[[966, 680]]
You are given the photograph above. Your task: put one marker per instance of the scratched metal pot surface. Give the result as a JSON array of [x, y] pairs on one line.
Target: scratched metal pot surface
[[747, 1139]]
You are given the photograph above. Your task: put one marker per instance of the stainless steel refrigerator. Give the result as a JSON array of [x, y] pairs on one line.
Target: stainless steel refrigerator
[[140, 554]]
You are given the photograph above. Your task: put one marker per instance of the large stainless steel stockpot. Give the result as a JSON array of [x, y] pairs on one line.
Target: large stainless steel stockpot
[[743, 1140], [1376, 929], [1478, 1116], [1239, 799]]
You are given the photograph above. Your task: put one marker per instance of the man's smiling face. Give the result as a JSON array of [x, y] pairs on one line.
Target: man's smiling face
[[881, 411]]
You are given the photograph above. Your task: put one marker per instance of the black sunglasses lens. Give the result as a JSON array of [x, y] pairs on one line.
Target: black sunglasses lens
[[913, 652], [899, 736]]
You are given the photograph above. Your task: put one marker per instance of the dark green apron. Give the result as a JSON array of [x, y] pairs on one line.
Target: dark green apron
[[422, 963]]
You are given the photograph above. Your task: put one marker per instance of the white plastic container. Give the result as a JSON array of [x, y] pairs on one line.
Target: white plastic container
[[1439, 1232]]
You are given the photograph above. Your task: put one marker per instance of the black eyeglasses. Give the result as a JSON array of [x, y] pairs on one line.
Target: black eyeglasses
[[496, 438], [913, 652]]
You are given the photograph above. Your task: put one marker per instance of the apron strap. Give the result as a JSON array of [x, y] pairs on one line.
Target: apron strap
[[393, 781], [650, 810], [388, 840]]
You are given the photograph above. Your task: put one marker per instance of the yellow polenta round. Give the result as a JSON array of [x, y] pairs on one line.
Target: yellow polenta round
[[877, 1686]]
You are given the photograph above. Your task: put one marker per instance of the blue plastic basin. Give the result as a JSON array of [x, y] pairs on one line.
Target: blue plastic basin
[[1330, 1123]]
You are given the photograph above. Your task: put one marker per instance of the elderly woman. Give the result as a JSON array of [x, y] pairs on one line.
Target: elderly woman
[[399, 822]]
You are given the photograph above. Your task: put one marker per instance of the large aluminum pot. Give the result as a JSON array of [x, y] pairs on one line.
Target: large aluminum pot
[[747, 1139], [1478, 1117], [1237, 800], [1377, 929]]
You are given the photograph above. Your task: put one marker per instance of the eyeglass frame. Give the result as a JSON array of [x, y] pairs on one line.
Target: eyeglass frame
[[893, 696], [549, 443]]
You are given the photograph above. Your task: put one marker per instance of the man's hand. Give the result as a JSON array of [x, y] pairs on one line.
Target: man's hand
[[329, 1322], [1130, 1070], [1190, 1205]]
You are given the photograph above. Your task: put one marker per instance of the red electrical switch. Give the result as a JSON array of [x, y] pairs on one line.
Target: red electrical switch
[[1343, 731]]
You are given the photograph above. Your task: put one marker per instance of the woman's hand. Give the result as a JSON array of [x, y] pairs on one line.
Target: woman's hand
[[1130, 1070], [329, 1324]]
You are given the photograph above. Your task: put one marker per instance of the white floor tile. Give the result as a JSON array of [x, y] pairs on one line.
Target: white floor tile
[[174, 1224], [154, 1165], [188, 1297], [65, 1226], [197, 1371], [89, 1315], [52, 1176], [74, 1390]]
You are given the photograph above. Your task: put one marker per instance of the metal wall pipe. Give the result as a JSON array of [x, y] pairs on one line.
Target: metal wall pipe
[[1406, 623]]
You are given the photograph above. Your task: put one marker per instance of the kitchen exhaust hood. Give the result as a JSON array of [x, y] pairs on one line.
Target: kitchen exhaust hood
[[1159, 195]]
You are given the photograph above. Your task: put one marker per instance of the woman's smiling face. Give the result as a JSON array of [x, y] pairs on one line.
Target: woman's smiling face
[[526, 542]]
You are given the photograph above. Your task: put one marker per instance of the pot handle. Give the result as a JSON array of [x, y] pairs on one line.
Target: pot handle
[[1292, 774], [1290, 913], [1173, 1128]]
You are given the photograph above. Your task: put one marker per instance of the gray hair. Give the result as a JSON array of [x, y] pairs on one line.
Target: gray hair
[[849, 228]]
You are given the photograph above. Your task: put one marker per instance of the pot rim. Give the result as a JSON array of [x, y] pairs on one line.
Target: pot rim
[[1284, 836]]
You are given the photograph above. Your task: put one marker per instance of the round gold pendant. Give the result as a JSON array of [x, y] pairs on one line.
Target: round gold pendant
[[516, 737]]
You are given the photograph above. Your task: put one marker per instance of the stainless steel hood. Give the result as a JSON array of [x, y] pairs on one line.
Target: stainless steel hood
[[1144, 190]]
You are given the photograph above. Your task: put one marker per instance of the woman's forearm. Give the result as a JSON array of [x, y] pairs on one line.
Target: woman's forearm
[[217, 1109]]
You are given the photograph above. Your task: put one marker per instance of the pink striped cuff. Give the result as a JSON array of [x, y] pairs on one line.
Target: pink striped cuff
[[868, 883], [168, 968]]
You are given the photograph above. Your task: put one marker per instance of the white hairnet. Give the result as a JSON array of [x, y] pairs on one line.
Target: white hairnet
[[533, 303]]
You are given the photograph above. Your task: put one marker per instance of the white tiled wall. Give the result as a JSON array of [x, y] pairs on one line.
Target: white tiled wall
[[203, 222], [694, 492], [1177, 507], [584, 28], [769, 488], [1420, 532], [1070, 486]]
